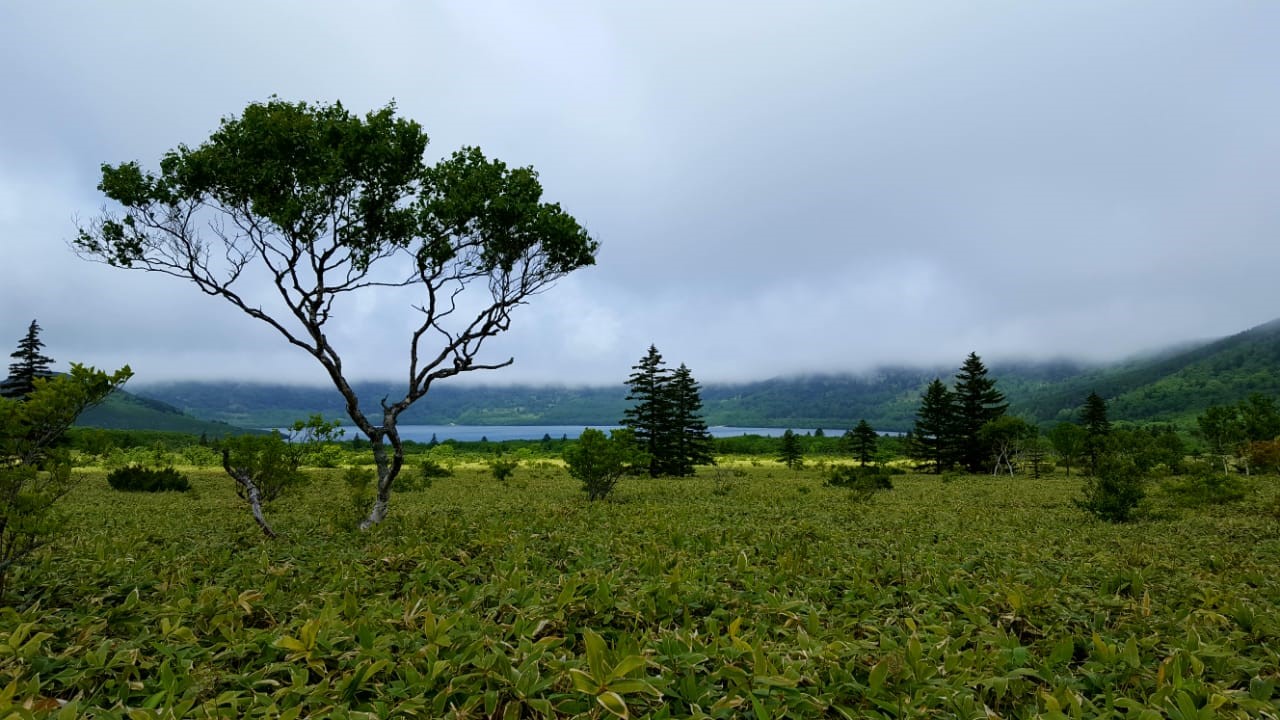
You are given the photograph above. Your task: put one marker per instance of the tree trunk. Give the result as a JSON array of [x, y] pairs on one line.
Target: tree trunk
[[388, 469]]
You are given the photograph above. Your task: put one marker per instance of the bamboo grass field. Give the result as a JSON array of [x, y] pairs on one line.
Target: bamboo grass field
[[747, 591]]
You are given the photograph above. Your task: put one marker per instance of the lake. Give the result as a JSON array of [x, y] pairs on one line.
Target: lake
[[468, 433]]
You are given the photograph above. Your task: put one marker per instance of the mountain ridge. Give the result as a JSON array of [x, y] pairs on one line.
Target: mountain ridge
[[1162, 386]]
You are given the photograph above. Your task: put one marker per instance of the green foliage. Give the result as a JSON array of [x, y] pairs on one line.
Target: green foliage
[[269, 462], [1068, 440], [971, 599], [503, 468], [789, 452], [35, 467], [666, 417], [1203, 485], [135, 478], [861, 440], [934, 437], [1114, 490], [1005, 437], [429, 470], [328, 196], [977, 402], [862, 478], [359, 482], [599, 462]]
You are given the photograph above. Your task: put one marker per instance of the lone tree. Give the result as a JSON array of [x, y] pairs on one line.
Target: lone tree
[[31, 364], [863, 439], [1069, 442], [291, 207], [1096, 429], [790, 453]]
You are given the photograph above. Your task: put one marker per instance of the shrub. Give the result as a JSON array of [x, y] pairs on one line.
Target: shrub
[[1204, 486], [135, 478], [268, 462], [599, 462], [503, 469], [1114, 492], [360, 491], [862, 478]]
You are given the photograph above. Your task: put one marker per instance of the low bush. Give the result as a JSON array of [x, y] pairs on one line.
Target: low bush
[[865, 477], [1114, 492], [503, 469], [1203, 486], [135, 478]]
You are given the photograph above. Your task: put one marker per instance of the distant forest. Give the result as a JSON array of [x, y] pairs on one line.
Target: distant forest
[[1170, 387]]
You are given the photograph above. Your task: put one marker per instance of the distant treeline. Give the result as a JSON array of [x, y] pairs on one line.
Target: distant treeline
[[1173, 387]]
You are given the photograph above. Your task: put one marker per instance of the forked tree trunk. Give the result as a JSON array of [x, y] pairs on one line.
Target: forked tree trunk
[[388, 469]]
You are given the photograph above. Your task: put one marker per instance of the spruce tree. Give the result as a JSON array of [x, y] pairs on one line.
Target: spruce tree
[[1096, 428], [31, 364], [690, 436], [934, 435], [790, 452], [863, 438], [651, 418], [977, 403]]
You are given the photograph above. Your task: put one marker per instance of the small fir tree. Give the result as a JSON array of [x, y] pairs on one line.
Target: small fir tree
[[863, 439], [30, 364], [790, 453], [933, 440]]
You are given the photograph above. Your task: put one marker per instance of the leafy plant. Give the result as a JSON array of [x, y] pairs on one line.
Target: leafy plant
[[599, 462], [503, 468], [135, 478], [1114, 491], [1203, 486]]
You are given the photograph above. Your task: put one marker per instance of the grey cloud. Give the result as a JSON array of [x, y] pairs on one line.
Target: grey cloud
[[778, 188]]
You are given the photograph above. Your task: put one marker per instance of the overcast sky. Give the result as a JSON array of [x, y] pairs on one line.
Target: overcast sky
[[777, 188]]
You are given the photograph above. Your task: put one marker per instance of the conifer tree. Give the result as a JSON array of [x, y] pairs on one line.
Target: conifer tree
[[863, 438], [1096, 427], [651, 418], [790, 453], [31, 364], [933, 438], [689, 431], [977, 403]]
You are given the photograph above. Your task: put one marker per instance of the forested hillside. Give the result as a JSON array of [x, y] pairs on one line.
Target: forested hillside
[[125, 411], [1172, 386]]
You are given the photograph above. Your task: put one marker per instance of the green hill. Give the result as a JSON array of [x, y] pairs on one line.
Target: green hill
[[1170, 387], [126, 411]]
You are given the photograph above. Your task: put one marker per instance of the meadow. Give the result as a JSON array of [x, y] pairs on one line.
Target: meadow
[[748, 591]]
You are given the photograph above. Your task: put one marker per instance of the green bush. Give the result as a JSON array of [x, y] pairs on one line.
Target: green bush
[[135, 478], [863, 478], [1203, 486], [503, 469], [1114, 492], [361, 486]]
